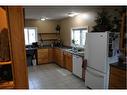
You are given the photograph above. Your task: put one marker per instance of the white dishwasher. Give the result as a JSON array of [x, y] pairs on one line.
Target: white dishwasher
[[77, 66]]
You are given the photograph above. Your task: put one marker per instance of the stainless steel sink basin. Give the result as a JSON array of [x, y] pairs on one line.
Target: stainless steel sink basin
[[81, 53], [76, 51]]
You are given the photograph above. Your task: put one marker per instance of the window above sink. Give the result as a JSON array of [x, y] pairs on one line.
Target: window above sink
[[78, 36]]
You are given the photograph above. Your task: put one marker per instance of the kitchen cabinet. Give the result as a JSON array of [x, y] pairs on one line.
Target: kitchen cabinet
[[50, 55], [61, 58], [58, 56], [117, 79], [42, 55], [49, 37], [67, 60], [12, 20], [55, 55]]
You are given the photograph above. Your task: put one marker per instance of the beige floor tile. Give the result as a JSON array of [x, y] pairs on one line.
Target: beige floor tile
[[51, 76]]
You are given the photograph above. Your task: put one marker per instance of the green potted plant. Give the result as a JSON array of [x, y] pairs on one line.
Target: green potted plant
[[58, 28], [102, 22]]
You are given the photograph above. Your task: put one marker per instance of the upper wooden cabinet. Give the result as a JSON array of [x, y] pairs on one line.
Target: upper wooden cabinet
[[12, 19]]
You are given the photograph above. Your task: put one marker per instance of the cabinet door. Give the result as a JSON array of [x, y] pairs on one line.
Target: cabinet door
[[68, 61], [42, 56], [58, 52], [117, 78], [55, 55], [50, 55], [16, 30], [59, 56]]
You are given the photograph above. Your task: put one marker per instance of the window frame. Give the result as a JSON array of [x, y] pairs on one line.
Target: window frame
[[78, 28], [36, 34]]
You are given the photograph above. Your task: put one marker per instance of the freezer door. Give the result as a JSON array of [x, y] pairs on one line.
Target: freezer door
[[96, 51], [94, 79]]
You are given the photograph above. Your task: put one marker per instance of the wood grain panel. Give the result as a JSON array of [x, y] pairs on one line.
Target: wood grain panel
[[3, 19], [51, 55], [117, 78], [42, 56], [58, 56], [16, 26], [68, 61]]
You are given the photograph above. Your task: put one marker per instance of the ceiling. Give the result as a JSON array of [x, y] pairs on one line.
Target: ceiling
[[54, 12]]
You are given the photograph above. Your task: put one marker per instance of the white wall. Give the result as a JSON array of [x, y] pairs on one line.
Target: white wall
[[87, 19]]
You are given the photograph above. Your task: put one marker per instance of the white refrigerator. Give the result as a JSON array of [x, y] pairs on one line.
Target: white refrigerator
[[96, 53]]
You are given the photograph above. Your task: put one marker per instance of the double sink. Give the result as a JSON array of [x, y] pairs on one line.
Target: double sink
[[77, 52]]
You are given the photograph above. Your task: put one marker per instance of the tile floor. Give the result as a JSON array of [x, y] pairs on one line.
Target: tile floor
[[51, 76]]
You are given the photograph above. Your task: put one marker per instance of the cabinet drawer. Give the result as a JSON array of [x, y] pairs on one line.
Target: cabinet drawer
[[118, 72], [117, 78], [41, 61], [41, 52], [42, 56]]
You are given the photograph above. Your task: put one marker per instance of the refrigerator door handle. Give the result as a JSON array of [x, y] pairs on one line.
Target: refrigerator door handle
[[94, 74]]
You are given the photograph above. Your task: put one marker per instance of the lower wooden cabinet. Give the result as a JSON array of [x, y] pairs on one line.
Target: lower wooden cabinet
[[50, 55], [58, 56], [42, 55], [117, 78], [67, 60]]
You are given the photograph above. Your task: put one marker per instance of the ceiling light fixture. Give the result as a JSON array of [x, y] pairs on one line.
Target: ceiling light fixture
[[43, 18], [72, 14]]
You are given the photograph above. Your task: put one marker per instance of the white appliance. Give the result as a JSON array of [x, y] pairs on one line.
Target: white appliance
[[77, 66], [96, 53]]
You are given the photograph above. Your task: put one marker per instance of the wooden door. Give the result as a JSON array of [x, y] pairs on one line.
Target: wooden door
[[16, 28]]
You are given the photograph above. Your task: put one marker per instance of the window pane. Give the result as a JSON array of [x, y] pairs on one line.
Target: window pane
[[77, 36], [83, 37], [32, 36], [26, 36]]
